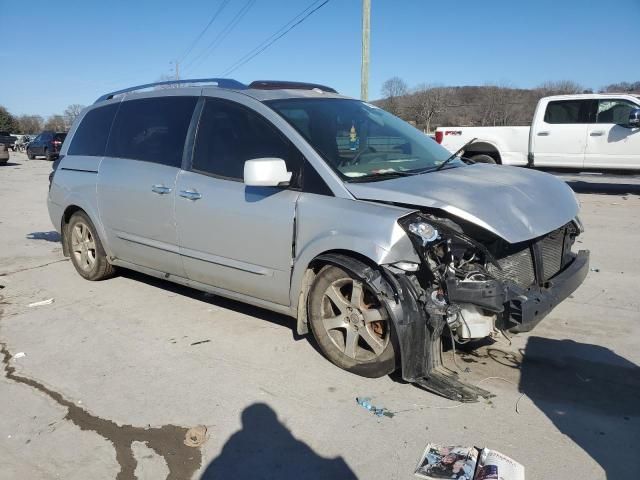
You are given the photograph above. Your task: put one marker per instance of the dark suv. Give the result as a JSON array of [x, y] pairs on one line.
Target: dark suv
[[47, 144]]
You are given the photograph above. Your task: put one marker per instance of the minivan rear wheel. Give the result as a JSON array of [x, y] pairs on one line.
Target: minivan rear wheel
[[350, 323], [84, 246]]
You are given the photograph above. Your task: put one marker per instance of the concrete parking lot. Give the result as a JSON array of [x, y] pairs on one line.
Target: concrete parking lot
[[114, 373]]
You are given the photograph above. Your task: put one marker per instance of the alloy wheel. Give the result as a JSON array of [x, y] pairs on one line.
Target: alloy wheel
[[356, 322], [83, 246]]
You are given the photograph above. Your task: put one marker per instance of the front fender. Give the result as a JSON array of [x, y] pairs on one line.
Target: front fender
[[331, 224]]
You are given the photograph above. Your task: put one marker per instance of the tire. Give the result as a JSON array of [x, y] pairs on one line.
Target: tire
[[47, 156], [353, 334], [85, 248], [30, 156], [484, 159]]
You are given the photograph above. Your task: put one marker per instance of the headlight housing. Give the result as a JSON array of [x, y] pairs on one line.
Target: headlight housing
[[426, 232]]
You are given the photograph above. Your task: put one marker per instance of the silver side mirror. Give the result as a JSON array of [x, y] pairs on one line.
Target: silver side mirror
[[634, 118], [266, 172]]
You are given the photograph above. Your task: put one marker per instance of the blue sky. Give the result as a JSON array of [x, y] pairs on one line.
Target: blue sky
[[58, 53]]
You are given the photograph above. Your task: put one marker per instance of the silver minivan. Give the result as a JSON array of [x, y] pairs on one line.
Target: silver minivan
[[328, 209]]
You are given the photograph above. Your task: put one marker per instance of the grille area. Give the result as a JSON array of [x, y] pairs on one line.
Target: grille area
[[551, 251], [517, 268]]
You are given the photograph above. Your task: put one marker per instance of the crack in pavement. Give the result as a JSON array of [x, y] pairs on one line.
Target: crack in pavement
[[4, 274], [167, 441]]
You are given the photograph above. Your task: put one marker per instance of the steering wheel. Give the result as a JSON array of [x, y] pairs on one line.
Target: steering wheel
[[355, 160]]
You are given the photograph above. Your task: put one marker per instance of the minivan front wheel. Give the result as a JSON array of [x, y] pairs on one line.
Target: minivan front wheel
[[350, 323], [84, 246]]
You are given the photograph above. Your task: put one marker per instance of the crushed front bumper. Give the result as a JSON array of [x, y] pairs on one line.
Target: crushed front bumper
[[519, 310]]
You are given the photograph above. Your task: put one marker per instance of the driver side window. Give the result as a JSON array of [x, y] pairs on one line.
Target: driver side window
[[230, 134], [614, 111]]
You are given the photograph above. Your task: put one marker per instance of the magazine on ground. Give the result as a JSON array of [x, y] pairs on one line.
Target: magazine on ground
[[466, 463]]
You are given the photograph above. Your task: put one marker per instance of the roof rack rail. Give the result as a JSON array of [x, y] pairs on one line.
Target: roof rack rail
[[220, 82], [280, 84]]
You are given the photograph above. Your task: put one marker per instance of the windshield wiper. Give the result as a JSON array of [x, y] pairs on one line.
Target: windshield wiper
[[455, 154], [380, 176]]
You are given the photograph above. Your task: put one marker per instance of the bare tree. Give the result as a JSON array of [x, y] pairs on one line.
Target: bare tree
[[31, 124], [71, 113], [56, 123], [499, 105], [426, 102], [561, 87], [392, 92], [622, 87]]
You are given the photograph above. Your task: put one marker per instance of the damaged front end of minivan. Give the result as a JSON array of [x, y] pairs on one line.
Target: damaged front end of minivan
[[472, 284]]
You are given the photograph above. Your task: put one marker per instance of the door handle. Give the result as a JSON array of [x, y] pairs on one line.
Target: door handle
[[596, 133], [160, 189], [190, 194], [543, 134]]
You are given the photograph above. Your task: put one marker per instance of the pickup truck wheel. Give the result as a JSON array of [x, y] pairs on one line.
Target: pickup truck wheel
[[483, 159], [350, 324], [87, 254]]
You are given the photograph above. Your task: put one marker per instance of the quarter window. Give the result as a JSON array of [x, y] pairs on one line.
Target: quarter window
[[91, 136], [230, 134], [152, 129], [570, 111], [614, 111]]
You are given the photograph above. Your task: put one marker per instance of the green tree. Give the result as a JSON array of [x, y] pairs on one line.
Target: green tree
[[8, 122]]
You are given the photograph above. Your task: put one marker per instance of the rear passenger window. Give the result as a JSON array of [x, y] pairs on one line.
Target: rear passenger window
[[92, 133], [152, 129], [570, 111], [229, 134]]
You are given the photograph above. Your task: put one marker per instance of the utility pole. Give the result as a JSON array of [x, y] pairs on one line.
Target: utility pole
[[364, 72], [177, 70]]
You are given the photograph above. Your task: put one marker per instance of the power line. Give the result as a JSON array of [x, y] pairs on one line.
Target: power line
[[222, 35], [204, 30], [251, 56], [248, 54]]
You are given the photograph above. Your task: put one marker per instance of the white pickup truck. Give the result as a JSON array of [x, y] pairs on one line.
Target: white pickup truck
[[581, 132]]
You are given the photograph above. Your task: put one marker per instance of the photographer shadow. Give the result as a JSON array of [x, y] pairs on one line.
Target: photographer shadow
[[590, 394], [264, 448]]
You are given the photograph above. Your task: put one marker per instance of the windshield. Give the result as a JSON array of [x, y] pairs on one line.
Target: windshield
[[361, 141]]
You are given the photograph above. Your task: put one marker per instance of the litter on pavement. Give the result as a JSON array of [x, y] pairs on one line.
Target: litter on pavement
[[19, 355], [365, 402], [466, 463], [48, 301], [196, 436]]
